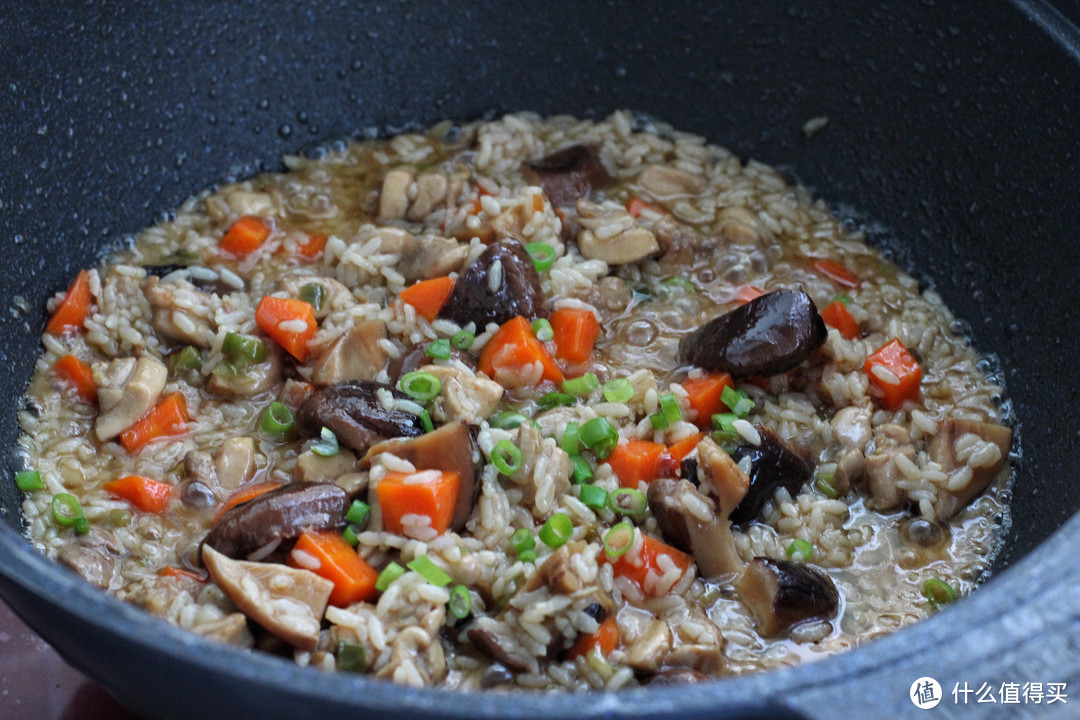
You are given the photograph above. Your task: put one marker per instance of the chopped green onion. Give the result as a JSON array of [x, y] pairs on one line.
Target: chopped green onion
[[276, 419], [351, 657], [358, 513], [725, 422], [389, 574], [439, 349], [185, 360], [594, 496], [555, 399], [628, 501], [659, 422], [618, 390], [542, 330], [327, 445], [841, 298], [82, 525], [677, 284], [528, 556], [66, 509], [522, 540], [582, 471], [600, 437], [669, 406], [314, 294], [618, 540], [571, 439], [425, 421], [243, 349], [460, 603], [28, 480], [800, 550], [938, 592], [738, 401], [118, 517], [350, 535], [743, 407], [556, 531], [506, 420], [428, 570], [581, 386], [542, 254], [420, 385], [826, 485], [463, 339], [506, 457]]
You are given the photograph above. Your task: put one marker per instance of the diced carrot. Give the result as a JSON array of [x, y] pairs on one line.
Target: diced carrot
[[745, 293], [337, 561], [73, 309], [428, 296], [288, 321], [74, 372], [175, 572], [143, 493], [167, 419], [514, 346], [635, 461], [837, 315], [605, 639], [399, 495], [575, 331], [896, 363], [248, 492], [643, 568], [836, 272], [314, 246], [684, 447], [245, 236], [636, 206], [704, 395]]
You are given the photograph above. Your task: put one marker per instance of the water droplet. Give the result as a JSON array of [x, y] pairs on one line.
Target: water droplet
[[263, 104], [285, 131]]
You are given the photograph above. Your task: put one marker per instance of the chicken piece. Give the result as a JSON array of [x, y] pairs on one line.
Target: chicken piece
[[557, 571], [95, 565], [335, 296], [356, 355], [850, 468], [233, 201], [972, 453], [434, 256], [851, 427], [608, 233], [541, 459], [179, 312], [648, 646], [394, 195], [288, 602], [464, 395], [698, 643], [431, 190], [248, 381], [313, 468], [231, 630], [234, 462], [664, 182], [882, 474], [127, 390]]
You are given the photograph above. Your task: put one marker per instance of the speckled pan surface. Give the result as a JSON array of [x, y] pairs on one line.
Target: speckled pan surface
[[952, 128]]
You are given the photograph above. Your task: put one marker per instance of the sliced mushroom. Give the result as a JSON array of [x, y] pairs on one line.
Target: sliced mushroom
[[234, 382], [499, 285], [127, 390], [314, 468], [356, 355], [782, 593], [93, 564], [664, 182], [288, 602], [978, 449], [722, 475], [774, 463], [259, 527], [689, 521], [417, 357], [568, 174], [491, 645], [355, 412], [608, 233], [464, 395], [451, 448], [559, 575], [435, 256], [767, 336], [181, 314]]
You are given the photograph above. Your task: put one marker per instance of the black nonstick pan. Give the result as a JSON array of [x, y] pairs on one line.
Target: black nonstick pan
[[952, 137]]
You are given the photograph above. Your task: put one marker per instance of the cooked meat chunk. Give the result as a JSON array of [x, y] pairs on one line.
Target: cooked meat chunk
[[698, 642], [258, 527], [232, 465], [288, 602], [689, 521], [314, 468], [608, 233], [851, 426], [464, 395], [231, 630], [663, 182], [972, 453], [558, 573], [500, 284], [246, 380], [544, 474], [431, 190], [127, 390], [491, 645], [568, 174], [451, 448], [355, 412], [180, 313], [767, 336], [782, 593], [434, 256], [394, 196], [648, 646], [356, 355], [93, 564], [774, 462], [881, 472]]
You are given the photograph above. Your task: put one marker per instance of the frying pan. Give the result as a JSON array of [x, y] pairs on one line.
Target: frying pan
[[952, 137]]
